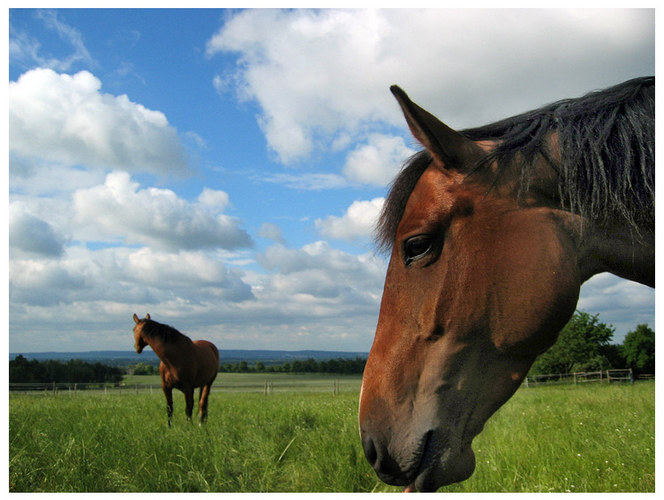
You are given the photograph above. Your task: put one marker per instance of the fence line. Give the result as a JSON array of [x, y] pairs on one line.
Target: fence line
[[334, 386], [602, 376]]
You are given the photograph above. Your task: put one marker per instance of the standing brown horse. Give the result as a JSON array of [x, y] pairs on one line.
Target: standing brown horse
[[185, 365], [492, 231]]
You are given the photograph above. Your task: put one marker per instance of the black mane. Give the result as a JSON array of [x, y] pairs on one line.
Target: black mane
[[607, 156], [166, 333]]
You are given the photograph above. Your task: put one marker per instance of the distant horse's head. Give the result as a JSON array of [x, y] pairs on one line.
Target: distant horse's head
[[139, 340], [485, 270]]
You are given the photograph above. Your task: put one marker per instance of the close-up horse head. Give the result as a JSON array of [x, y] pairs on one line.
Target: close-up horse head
[[492, 231]]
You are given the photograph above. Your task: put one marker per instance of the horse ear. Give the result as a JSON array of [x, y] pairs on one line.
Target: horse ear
[[446, 145], [136, 320], [147, 316]]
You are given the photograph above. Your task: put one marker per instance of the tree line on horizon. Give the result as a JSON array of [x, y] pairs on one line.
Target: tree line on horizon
[[23, 370], [582, 346], [343, 366]]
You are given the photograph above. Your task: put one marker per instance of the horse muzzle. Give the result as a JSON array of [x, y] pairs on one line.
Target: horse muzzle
[[426, 464], [443, 466]]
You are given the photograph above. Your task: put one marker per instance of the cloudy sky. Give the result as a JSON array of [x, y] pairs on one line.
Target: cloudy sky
[[222, 169]]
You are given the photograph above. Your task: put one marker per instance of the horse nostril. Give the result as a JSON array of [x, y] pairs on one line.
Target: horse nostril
[[386, 466], [370, 450]]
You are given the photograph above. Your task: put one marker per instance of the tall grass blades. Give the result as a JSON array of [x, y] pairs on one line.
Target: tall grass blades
[[590, 438], [598, 438]]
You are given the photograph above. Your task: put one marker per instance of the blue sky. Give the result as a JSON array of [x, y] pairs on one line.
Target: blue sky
[[222, 169]]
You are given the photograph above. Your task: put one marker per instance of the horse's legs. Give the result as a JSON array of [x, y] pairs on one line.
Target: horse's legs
[[189, 400], [203, 403], [168, 392]]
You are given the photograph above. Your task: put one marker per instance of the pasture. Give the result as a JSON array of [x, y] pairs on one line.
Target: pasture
[[586, 438]]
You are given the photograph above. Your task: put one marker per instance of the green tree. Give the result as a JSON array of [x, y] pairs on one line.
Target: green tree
[[310, 365], [614, 354], [144, 369], [75, 370], [639, 349], [22, 370], [580, 347]]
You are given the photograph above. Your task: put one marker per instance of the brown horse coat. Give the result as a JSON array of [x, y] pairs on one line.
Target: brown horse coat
[[492, 232], [185, 364]]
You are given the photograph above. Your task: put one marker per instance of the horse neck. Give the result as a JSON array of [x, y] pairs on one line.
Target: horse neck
[[621, 250], [616, 247], [169, 352]]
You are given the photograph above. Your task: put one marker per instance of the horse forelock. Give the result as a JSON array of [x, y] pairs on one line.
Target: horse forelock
[[396, 200], [605, 161]]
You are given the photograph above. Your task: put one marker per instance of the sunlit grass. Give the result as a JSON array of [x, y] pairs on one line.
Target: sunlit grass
[[252, 442], [591, 438], [569, 438]]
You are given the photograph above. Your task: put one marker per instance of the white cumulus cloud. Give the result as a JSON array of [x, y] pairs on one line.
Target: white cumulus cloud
[[31, 234], [300, 102], [320, 76], [121, 279], [318, 281], [120, 210], [66, 118], [359, 221], [378, 161], [614, 299]]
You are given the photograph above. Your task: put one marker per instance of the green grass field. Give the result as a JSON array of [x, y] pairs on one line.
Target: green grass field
[[588, 438]]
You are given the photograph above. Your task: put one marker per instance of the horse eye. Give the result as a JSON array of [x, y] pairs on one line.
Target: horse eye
[[416, 247]]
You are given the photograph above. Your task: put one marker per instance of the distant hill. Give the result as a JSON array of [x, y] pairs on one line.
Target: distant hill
[[225, 356]]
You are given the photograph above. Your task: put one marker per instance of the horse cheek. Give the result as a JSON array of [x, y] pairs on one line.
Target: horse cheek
[[546, 273]]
